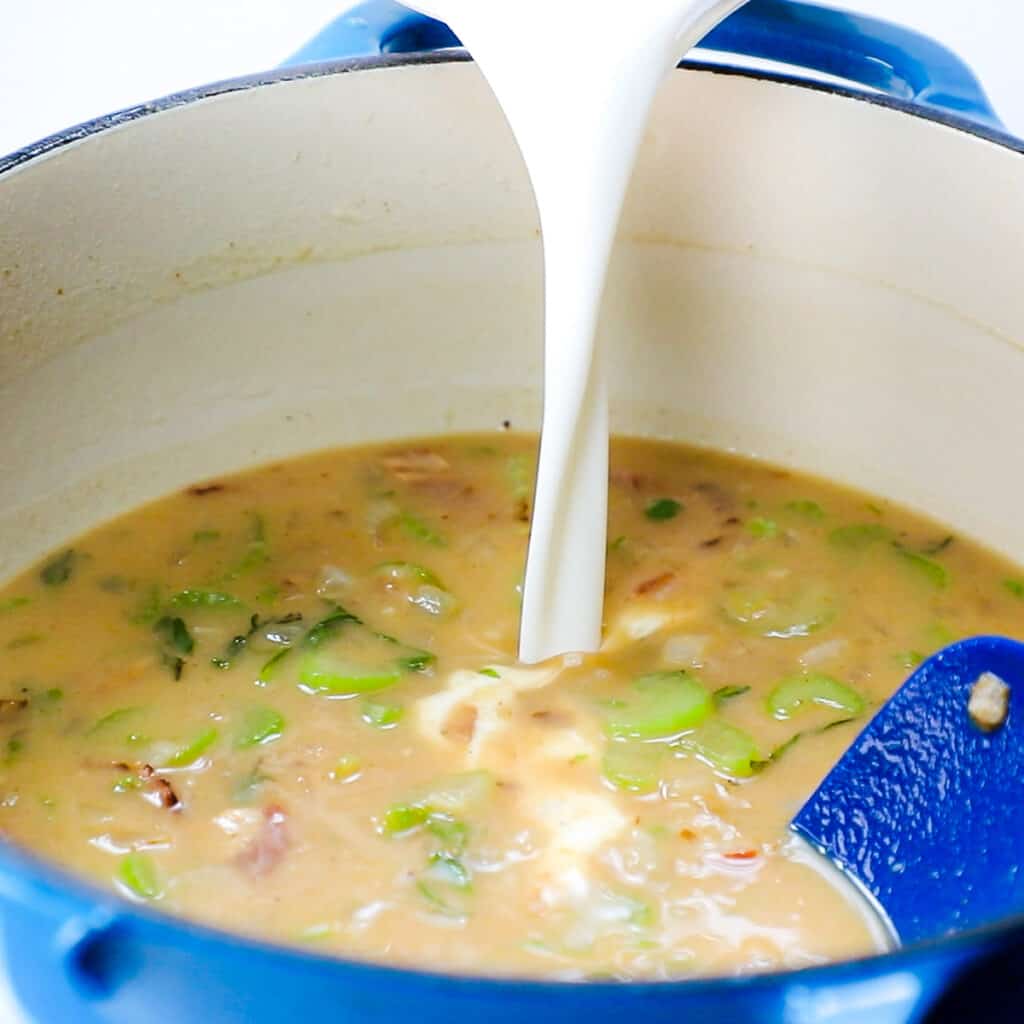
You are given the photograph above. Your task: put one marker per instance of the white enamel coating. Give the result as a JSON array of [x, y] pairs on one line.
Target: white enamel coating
[[800, 277], [577, 100]]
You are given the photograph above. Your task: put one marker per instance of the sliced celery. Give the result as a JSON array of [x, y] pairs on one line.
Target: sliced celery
[[441, 803], [194, 749], [446, 885], [800, 692], [419, 530], [401, 818], [926, 568], [381, 716], [138, 873], [337, 676], [258, 726], [633, 767], [723, 746], [113, 718], [782, 612], [659, 705]]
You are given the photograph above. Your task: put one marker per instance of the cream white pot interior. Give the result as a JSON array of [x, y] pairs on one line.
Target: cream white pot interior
[[805, 277]]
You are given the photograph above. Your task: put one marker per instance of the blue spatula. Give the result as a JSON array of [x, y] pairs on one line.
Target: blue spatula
[[925, 811]]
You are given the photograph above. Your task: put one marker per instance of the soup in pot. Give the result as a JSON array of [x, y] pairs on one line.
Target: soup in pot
[[286, 703]]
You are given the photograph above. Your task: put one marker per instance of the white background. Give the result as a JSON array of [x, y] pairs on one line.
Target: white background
[[64, 61]]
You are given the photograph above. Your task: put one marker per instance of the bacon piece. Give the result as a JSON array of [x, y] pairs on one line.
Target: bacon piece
[[655, 584], [264, 852]]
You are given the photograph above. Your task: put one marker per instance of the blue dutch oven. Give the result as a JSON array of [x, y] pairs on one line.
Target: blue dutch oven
[[78, 955]]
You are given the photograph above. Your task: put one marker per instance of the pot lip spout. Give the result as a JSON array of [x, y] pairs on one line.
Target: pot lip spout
[[320, 69]]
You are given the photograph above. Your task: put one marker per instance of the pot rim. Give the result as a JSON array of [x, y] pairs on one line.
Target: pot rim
[[321, 69], [39, 880]]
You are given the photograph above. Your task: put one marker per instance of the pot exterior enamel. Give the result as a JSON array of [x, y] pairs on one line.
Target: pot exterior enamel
[[333, 257]]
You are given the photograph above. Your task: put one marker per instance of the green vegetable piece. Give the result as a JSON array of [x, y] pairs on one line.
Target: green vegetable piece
[[194, 598], [329, 626], [633, 767], [59, 569], [450, 868], [807, 509], [491, 672], [761, 527], [446, 885], [520, 470], [1015, 587], [415, 660], [659, 705], [408, 573], [175, 634], [418, 530], [908, 659], [346, 769], [272, 666], [724, 747], [24, 640], [800, 692], [204, 536], [780, 614], [381, 716], [192, 751], [13, 603], [454, 834], [113, 718], [138, 873], [149, 606], [663, 508], [724, 693], [334, 676], [401, 818], [927, 568], [259, 725], [859, 536]]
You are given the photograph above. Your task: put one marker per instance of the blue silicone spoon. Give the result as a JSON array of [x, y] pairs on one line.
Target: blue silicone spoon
[[924, 811]]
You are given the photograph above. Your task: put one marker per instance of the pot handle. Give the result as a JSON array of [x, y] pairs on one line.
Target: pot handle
[[867, 51]]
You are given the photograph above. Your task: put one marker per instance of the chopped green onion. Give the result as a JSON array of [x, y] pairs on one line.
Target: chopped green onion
[[194, 598], [859, 535], [175, 634], [761, 527], [259, 725], [660, 705], [1015, 587], [807, 509], [11, 603], [724, 693], [113, 718], [453, 833], [193, 750], [800, 692], [138, 872], [662, 509], [723, 746], [58, 570], [491, 672]]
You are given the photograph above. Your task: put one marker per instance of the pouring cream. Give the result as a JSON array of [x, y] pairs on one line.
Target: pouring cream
[[576, 94]]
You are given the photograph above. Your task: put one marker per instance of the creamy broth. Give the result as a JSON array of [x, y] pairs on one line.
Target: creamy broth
[[286, 703]]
